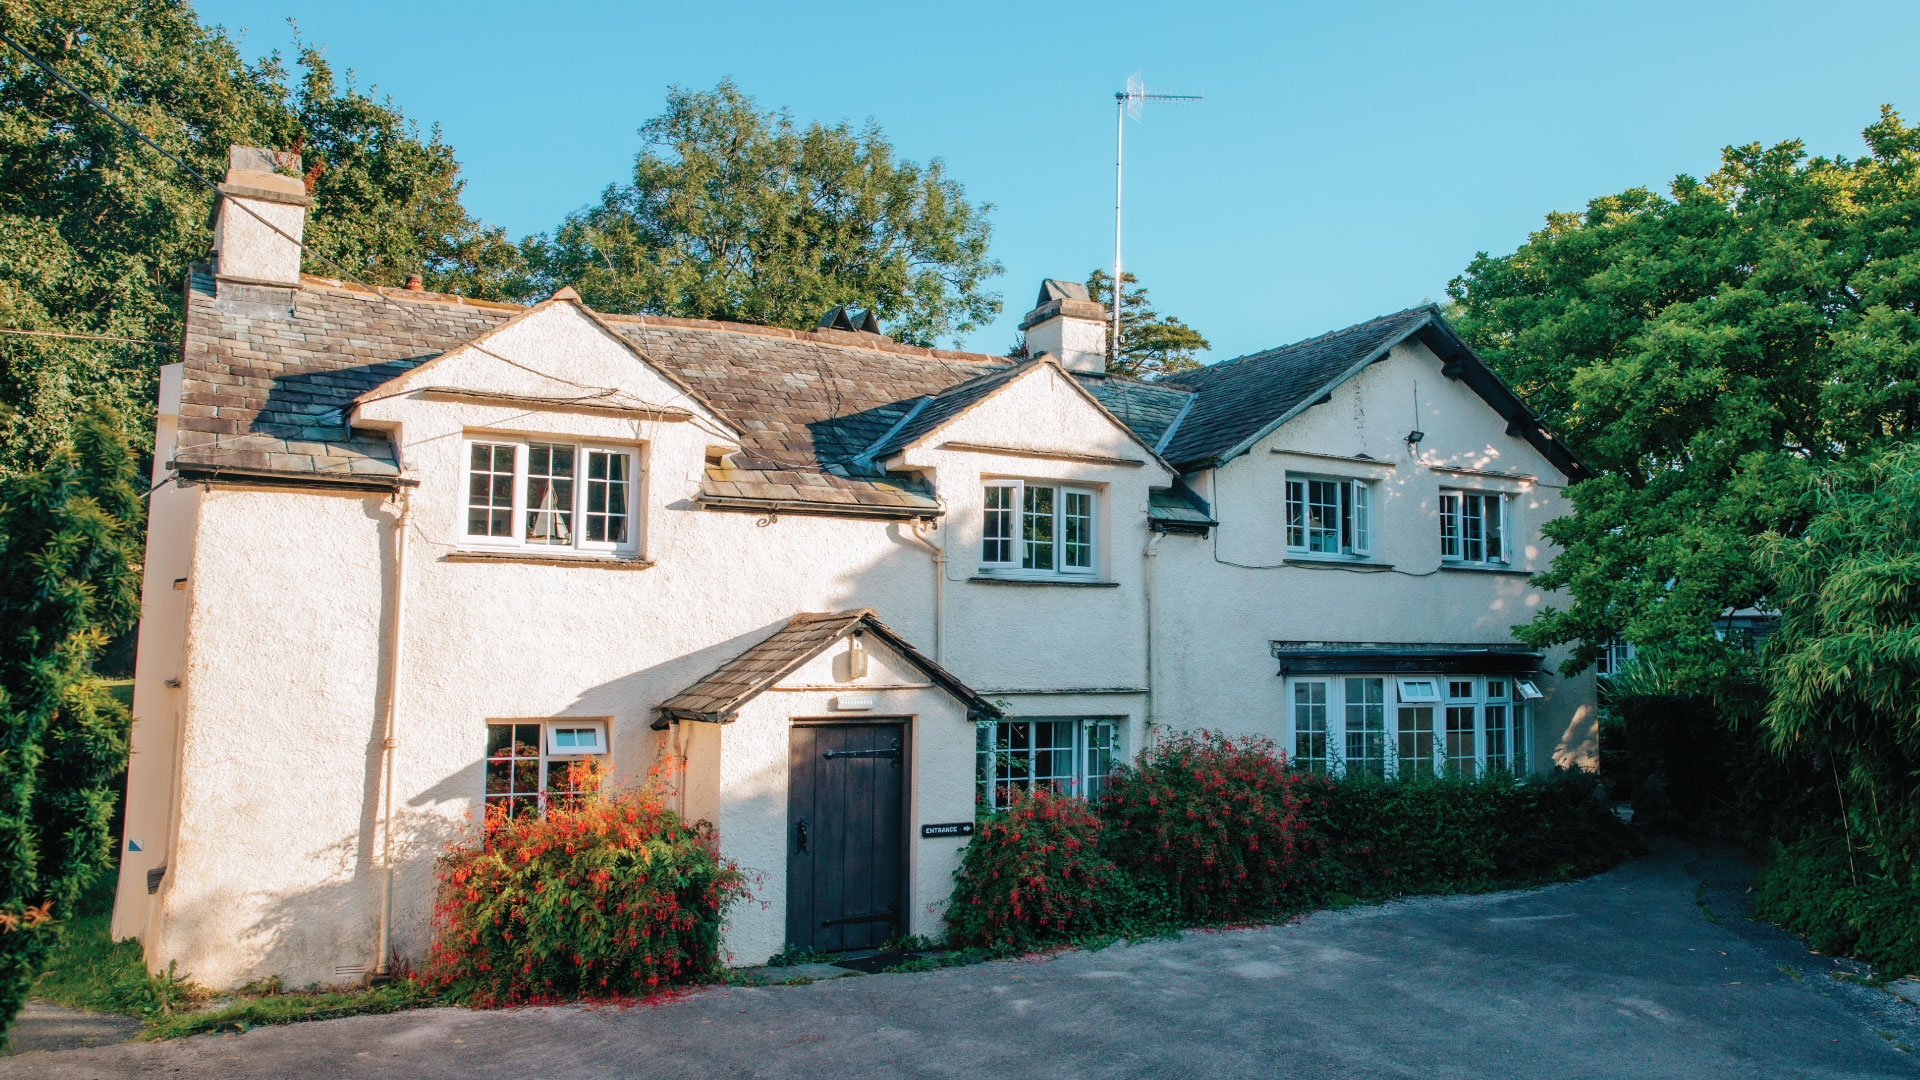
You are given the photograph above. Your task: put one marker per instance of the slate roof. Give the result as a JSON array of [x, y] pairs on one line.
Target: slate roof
[[271, 374], [1236, 399], [717, 697]]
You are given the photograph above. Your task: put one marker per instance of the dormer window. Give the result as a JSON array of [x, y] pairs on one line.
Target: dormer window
[[1032, 529], [547, 495], [1329, 516]]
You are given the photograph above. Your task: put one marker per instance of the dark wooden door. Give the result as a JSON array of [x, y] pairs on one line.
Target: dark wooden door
[[846, 786]]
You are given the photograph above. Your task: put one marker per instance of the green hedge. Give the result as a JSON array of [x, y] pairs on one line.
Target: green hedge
[[1845, 908], [1204, 829]]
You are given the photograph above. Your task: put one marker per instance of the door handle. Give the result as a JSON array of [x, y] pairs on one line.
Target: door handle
[[800, 836]]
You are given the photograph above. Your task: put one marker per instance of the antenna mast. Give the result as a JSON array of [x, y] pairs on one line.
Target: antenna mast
[[1127, 103]]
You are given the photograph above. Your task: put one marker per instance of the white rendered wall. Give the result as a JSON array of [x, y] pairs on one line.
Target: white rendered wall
[[1224, 598]]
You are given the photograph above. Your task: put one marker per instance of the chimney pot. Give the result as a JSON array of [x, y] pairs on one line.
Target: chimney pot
[[1067, 323], [414, 284]]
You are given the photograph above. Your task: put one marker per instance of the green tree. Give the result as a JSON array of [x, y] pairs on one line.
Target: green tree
[[743, 215], [1843, 670], [1151, 345], [96, 231], [70, 537], [1707, 350]]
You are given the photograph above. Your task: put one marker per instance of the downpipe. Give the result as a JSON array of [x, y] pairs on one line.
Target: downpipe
[[397, 600], [939, 585], [1151, 557]]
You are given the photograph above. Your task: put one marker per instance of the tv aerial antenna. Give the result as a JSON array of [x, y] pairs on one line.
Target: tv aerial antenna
[[1128, 103]]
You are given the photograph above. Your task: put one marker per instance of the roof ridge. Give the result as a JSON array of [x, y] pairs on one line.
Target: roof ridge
[[1264, 353]]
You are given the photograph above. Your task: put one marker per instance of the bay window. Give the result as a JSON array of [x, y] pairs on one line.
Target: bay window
[[1473, 527], [1032, 529], [1329, 516], [543, 494], [1408, 726], [1070, 756]]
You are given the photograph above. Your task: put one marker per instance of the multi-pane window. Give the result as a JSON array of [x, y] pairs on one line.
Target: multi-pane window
[[1615, 657], [1416, 742], [1366, 726], [1408, 726], [1463, 728], [530, 764], [1495, 711], [1473, 527], [544, 494], [1310, 725], [996, 537], [1329, 516], [1038, 530], [1070, 756]]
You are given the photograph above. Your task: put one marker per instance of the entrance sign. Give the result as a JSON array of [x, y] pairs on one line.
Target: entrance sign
[[951, 828]]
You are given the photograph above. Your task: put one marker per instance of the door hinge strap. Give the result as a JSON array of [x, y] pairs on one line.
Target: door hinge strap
[[893, 752]]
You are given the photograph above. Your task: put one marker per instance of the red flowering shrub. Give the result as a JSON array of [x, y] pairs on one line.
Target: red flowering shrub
[[1219, 824], [612, 895], [1033, 874]]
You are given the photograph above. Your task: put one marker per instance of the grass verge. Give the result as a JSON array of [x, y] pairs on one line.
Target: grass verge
[[89, 970]]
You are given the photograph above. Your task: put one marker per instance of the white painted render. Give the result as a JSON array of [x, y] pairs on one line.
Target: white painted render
[[250, 234], [272, 834]]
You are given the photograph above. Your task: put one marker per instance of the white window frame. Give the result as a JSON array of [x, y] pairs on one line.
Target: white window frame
[[1095, 752], [583, 451], [1353, 514], [596, 728], [550, 771], [1403, 700], [1454, 516], [1614, 657], [1014, 565]]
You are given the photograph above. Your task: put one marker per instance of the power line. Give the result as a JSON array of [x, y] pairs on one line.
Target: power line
[[90, 337]]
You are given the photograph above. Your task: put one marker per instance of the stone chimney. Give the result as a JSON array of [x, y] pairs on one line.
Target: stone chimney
[[246, 250], [1068, 324]]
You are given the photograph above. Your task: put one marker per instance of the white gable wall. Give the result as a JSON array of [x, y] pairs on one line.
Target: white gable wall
[[1223, 599]]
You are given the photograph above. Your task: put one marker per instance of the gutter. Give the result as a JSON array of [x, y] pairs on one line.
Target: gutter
[[397, 599], [219, 474], [819, 509]]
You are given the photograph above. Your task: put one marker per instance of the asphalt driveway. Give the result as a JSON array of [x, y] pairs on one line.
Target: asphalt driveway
[[1647, 971]]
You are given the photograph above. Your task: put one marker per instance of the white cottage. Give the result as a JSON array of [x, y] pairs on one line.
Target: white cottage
[[420, 552]]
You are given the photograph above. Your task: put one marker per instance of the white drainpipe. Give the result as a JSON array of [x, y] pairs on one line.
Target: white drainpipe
[[1152, 552], [397, 599], [939, 587]]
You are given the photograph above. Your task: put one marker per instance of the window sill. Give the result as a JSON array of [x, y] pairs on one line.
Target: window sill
[[988, 579], [1470, 568], [1360, 565], [545, 558]]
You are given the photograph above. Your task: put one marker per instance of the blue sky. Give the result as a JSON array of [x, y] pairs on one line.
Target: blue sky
[[1349, 158]]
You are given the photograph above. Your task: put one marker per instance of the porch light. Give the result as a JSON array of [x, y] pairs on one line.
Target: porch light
[[856, 659]]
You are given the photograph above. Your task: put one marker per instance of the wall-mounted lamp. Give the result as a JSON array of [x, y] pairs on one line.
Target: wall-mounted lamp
[[856, 659], [1414, 437]]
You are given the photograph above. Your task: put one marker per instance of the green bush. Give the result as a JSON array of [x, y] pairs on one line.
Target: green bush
[[1843, 909], [1033, 873], [1203, 829], [1455, 834], [614, 896], [1219, 824]]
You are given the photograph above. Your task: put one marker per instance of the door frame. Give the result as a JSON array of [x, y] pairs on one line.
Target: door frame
[[908, 795]]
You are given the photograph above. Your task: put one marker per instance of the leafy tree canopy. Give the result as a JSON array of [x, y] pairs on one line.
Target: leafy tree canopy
[[70, 537], [1152, 345], [1706, 350], [96, 231], [743, 215], [1843, 670]]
